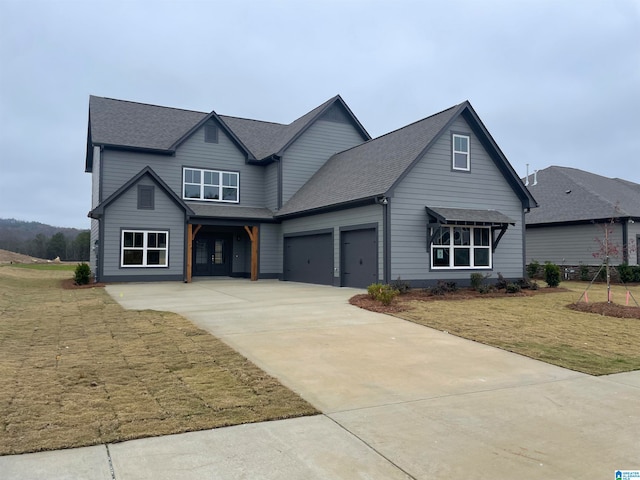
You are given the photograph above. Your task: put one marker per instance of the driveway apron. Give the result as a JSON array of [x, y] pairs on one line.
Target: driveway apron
[[399, 400]]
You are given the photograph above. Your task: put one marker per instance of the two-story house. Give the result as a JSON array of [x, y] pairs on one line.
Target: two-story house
[[178, 193]]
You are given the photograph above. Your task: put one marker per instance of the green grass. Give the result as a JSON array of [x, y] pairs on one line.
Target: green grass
[[61, 267], [542, 327]]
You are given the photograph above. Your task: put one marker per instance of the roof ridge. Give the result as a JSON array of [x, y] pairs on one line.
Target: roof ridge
[[253, 120], [148, 104]]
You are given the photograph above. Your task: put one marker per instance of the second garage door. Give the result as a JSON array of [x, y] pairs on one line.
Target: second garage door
[[309, 258], [359, 257]]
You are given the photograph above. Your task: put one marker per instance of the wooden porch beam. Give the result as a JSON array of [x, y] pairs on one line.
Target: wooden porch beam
[[191, 235], [253, 235]]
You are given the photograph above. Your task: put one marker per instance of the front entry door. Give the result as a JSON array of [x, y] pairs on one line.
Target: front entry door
[[212, 255]]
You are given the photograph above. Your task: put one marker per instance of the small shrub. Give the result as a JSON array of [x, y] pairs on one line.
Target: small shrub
[[382, 293], [534, 286], [501, 284], [533, 269], [373, 289], [443, 287], [512, 288], [484, 289], [552, 274], [584, 273], [476, 280], [401, 286], [82, 274], [626, 273]]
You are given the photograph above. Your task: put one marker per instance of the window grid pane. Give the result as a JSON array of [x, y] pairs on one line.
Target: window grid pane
[[144, 249], [211, 186], [471, 247]]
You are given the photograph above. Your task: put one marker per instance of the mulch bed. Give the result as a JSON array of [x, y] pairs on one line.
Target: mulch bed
[[607, 309], [70, 284], [400, 303]]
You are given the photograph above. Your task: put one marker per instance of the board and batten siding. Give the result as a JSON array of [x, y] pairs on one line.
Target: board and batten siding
[[569, 244], [367, 215], [123, 214], [120, 166], [309, 152], [433, 183]]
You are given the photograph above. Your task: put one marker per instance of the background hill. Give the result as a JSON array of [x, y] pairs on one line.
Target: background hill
[[44, 241]]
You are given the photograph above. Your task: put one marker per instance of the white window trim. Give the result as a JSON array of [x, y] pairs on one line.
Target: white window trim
[[454, 151], [144, 249], [202, 185], [472, 247]]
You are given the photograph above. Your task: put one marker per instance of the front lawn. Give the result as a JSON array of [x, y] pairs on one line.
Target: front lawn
[[541, 326], [77, 369]]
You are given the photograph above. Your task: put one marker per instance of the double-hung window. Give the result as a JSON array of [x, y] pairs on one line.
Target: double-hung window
[[455, 246], [144, 248], [210, 185], [461, 153]]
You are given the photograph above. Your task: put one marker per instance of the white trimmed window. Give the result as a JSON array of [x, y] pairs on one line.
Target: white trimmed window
[[461, 153], [461, 247], [144, 248], [210, 185]]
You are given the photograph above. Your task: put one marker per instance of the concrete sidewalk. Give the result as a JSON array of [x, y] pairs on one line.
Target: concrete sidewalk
[[399, 400]]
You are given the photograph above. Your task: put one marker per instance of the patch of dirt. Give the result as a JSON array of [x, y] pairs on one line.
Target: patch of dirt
[[607, 309], [11, 257], [400, 302]]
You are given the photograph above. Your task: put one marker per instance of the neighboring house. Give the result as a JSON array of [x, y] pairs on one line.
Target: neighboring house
[[576, 209], [178, 193]]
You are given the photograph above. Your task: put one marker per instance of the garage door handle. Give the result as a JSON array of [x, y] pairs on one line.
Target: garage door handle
[[360, 261], [308, 261]]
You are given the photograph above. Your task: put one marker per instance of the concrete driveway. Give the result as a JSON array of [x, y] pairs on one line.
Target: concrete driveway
[[399, 400]]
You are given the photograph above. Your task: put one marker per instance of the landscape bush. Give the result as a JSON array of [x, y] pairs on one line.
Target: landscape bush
[[382, 293], [82, 274], [533, 269], [443, 287], [401, 286], [477, 279], [552, 274], [584, 273], [512, 288], [629, 273]]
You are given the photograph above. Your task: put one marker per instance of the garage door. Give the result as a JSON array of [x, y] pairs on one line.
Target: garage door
[[309, 258], [359, 257]]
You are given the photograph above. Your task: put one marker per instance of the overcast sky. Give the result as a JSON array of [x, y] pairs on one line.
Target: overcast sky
[[555, 82]]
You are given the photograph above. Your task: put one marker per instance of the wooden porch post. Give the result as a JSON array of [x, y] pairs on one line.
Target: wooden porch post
[[191, 235], [253, 235]]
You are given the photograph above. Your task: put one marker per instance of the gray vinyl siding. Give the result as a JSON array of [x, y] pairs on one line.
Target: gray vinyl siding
[[270, 249], [271, 186], [570, 244], [124, 214], [94, 248], [370, 214], [120, 166], [95, 178], [312, 150], [432, 182], [634, 251]]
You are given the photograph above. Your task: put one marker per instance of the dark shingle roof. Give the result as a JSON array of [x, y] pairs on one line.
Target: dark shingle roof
[[369, 169], [138, 125], [229, 211], [569, 195], [453, 215]]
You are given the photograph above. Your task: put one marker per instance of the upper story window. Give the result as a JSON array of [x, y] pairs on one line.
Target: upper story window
[[461, 247], [210, 185], [461, 153]]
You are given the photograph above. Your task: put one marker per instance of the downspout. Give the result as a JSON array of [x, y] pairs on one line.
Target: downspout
[[625, 241]]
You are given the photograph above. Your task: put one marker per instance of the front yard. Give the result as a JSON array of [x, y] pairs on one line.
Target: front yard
[[76, 369], [541, 326]]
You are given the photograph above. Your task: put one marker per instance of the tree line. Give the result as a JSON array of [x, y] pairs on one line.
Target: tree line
[[44, 241]]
